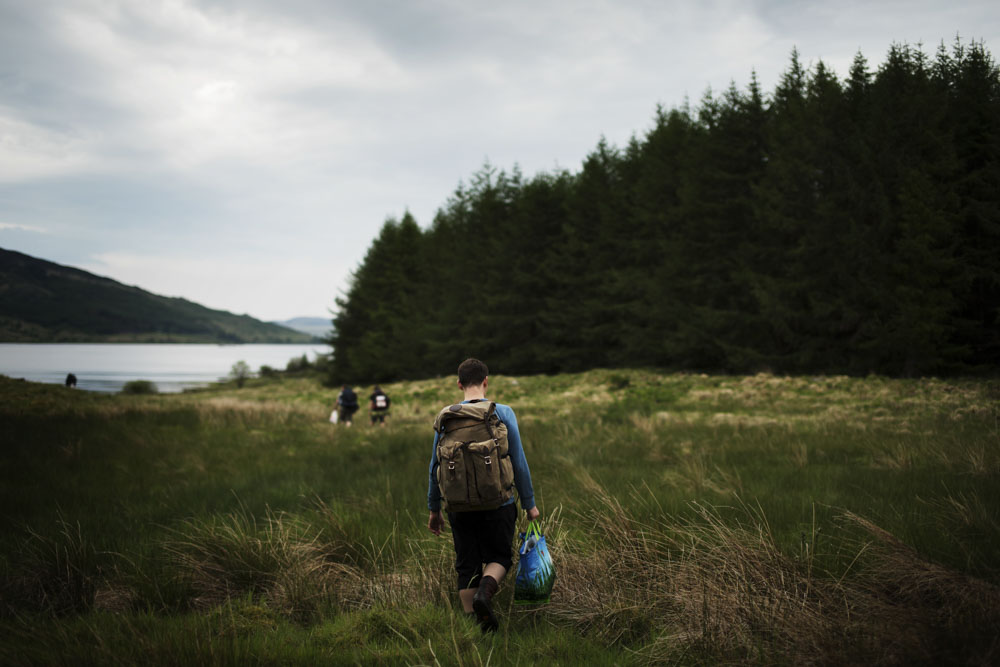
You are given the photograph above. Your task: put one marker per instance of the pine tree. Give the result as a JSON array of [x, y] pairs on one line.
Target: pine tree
[[663, 165], [910, 329], [848, 227], [972, 80], [591, 257], [377, 331]]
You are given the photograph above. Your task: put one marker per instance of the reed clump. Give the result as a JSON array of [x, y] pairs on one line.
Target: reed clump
[[928, 612], [301, 568], [708, 587], [279, 560], [59, 573]]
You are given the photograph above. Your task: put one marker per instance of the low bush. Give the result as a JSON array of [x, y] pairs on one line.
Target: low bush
[[140, 387], [298, 364]]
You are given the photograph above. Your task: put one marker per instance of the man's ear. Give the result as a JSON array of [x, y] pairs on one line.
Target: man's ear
[[486, 382], [460, 385]]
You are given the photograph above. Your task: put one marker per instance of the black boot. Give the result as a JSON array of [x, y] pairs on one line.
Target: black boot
[[482, 604]]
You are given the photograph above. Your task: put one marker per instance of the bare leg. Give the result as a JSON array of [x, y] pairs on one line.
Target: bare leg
[[466, 595], [495, 570]]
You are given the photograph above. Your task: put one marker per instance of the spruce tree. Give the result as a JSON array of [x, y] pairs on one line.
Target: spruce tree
[[973, 112], [845, 227]]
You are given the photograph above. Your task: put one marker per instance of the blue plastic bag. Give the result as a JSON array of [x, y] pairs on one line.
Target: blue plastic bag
[[535, 572]]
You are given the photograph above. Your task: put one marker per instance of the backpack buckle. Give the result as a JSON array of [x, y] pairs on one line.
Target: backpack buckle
[[488, 460]]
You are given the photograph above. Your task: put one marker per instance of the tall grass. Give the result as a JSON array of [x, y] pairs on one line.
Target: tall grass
[[279, 561], [691, 519], [722, 588], [58, 573]]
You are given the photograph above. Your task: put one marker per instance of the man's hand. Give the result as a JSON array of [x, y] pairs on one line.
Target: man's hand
[[435, 522], [533, 514]]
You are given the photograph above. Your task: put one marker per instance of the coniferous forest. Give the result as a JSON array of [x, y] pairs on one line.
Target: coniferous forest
[[830, 226]]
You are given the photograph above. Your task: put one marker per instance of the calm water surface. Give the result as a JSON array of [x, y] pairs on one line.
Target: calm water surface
[[108, 366]]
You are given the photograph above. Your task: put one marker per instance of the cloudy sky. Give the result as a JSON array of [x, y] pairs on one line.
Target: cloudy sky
[[244, 154]]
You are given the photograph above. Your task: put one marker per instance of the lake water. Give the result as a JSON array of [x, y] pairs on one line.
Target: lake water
[[173, 368]]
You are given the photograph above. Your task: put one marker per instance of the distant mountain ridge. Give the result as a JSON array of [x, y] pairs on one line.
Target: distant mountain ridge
[[45, 302], [314, 326]]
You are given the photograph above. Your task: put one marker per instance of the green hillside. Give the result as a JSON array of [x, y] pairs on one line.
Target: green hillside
[[44, 302]]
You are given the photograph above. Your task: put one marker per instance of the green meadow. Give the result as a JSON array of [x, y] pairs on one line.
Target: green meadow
[[693, 519]]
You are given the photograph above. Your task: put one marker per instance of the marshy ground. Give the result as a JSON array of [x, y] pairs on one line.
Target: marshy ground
[[693, 519]]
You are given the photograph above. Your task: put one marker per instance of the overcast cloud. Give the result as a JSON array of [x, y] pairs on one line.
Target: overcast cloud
[[244, 154]]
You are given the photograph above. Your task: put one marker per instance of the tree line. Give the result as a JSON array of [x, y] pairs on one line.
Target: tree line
[[832, 226]]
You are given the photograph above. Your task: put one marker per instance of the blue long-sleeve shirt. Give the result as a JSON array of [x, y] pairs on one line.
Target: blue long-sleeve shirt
[[522, 476]]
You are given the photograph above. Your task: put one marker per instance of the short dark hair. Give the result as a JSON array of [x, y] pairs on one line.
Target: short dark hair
[[472, 372]]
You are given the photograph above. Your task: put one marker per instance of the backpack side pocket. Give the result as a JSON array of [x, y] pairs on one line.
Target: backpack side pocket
[[451, 474], [486, 465]]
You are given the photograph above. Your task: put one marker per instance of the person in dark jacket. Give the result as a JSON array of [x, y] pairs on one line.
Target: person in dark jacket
[[347, 403]]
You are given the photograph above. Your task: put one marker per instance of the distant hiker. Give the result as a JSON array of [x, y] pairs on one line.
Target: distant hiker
[[379, 406], [71, 380], [480, 437], [347, 403]]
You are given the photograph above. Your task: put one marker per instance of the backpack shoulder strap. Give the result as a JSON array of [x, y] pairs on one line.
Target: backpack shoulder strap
[[489, 413]]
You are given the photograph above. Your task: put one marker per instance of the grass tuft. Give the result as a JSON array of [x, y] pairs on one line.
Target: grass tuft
[[58, 574], [279, 560], [720, 587]]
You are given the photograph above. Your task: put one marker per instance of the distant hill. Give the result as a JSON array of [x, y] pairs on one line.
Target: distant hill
[[314, 326], [44, 302]]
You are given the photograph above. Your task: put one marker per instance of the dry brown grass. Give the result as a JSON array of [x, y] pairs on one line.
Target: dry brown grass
[[300, 568], [836, 399], [252, 408], [919, 611], [280, 559], [704, 588], [708, 588]]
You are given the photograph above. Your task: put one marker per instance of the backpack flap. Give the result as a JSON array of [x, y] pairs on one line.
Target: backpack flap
[[462, 415]]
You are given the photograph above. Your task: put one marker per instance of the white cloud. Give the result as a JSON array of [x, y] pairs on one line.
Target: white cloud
[[198, 86], [14, 227], [29, 152], [244, 153]]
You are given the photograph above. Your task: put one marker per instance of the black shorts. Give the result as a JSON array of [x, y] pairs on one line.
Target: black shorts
[[482, 537]]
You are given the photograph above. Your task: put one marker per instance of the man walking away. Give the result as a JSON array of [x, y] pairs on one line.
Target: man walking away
[[476, 463], [378, 404]]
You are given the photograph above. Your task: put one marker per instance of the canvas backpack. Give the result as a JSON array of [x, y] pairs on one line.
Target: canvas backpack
[[348, 399], [474, 468]]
